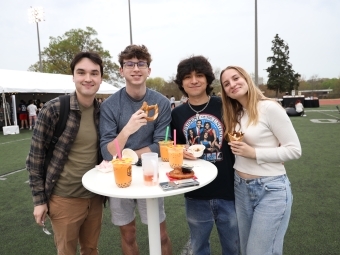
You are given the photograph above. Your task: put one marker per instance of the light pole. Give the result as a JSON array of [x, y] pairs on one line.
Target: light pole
[[130, 23], [256, 55], [36, 15]]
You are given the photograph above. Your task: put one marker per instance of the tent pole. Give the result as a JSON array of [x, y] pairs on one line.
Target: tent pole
[[4, 107], [7, 112]]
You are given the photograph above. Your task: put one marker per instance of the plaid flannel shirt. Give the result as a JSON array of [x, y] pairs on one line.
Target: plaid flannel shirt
[[42, 182]]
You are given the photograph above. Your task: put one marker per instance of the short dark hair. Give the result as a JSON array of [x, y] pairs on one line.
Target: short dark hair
[[199, 64], [134, 51], [93, 56]]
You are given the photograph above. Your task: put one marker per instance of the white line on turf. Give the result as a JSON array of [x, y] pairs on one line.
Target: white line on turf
[[187, 249], [17, 171], [319, 110], [16, 141]]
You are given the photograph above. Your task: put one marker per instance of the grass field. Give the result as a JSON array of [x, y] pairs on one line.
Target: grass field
[[314, 228]]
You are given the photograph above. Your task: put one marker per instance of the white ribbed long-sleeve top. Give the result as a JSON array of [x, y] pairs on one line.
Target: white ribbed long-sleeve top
[[274, 139]]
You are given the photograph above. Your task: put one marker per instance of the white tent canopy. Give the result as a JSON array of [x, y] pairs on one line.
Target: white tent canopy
[[33, 82]]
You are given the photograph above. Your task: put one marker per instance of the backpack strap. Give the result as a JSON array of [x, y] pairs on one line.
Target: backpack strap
[[59, 128]]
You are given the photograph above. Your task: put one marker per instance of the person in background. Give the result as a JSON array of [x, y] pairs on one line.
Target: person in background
[[2, 117], [75, 212], [23, 114], [40, 106], [214, 203], [123, 121], [32, 113], [263, 195], [299, 108], [291, 111], [183, 99], [37, 102], [172, 102]]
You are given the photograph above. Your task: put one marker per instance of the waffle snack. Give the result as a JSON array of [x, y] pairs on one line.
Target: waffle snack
[[177, 173], [235, 136]]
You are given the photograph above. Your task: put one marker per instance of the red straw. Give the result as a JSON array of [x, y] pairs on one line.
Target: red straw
[[117, 149], [175, 137]]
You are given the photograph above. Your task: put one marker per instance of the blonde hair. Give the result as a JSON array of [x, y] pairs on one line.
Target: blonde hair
[[233, 110]]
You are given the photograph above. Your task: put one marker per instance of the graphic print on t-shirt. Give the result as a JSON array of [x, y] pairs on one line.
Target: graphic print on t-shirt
[[206, 130], [23, 108]]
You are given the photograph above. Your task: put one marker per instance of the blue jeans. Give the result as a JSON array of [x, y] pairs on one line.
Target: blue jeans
[[201, 216], [263, 208]]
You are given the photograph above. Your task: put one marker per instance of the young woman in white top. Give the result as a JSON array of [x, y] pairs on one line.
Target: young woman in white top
[[263, 196], [299, 108]]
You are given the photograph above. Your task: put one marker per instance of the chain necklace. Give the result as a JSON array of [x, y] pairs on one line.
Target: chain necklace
[[198, 112]]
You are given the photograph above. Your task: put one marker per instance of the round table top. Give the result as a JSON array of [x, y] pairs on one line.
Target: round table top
[[103, 183]]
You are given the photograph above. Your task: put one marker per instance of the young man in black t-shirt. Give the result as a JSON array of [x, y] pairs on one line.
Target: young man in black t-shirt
[[200, 121]]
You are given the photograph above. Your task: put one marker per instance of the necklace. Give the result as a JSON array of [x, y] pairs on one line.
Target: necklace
[[198, 112]]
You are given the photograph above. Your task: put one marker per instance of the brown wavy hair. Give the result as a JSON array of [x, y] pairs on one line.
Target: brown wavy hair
[[134, 51]]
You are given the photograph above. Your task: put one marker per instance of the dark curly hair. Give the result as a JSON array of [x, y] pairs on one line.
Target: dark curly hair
[[199, 64], [134, 51]]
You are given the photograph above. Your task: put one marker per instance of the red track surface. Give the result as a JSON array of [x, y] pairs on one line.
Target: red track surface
[[329, 101]]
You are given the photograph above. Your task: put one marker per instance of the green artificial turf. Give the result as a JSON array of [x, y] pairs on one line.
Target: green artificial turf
[[314, 227]]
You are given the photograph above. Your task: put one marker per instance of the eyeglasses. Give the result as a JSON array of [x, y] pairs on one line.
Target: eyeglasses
[[131, 65]]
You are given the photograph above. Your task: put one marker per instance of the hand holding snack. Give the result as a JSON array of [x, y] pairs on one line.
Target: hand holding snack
[[235, 136], [240, 148], [136, 121], [146, 108]]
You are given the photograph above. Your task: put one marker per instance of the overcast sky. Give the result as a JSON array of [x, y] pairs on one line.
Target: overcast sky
[[221, 30]]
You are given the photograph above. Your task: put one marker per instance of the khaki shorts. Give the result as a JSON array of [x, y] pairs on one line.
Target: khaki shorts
[[123, 210]]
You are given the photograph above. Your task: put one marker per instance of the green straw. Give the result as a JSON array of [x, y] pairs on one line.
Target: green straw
[[167, 133]]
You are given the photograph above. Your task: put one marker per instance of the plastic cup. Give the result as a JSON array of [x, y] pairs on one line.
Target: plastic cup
[[122, 172], [176, 156], [150, 168], [163, 148]]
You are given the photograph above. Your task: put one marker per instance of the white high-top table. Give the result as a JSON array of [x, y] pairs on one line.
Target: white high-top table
[[104, 184]]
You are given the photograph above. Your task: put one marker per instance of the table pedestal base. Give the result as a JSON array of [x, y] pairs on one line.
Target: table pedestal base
[[153, 226]]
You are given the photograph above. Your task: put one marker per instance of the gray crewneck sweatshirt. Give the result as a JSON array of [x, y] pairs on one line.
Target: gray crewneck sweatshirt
[[116, 111]]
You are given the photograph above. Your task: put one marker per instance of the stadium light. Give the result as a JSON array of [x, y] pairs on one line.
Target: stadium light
[[36, 15], [256, 46], [130, 23]]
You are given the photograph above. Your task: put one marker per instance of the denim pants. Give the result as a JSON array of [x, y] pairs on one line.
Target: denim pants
[[263, 208], [201, 216]]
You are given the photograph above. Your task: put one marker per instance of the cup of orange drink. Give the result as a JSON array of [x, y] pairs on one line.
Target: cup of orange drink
[[163, 148], [122, 172], [176, 155]]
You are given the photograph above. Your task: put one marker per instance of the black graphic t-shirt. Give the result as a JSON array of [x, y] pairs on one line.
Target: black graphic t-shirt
[[207, 130], [23, 108]]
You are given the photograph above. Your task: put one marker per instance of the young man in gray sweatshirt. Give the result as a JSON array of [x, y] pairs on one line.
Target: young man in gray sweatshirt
[[122, 120]]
